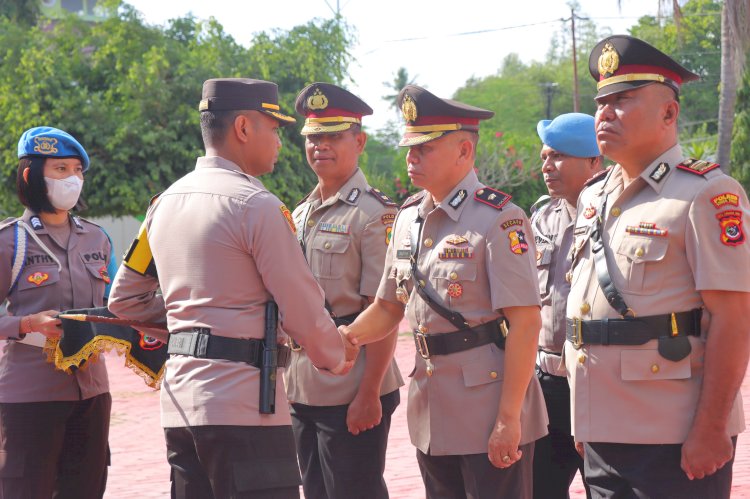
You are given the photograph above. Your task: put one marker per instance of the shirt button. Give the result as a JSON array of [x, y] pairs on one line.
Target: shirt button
[[327, 245], [654, 368], [639, 252], [493, 374], [310, 223], [428, 242], [581, 359], [585, 308], [422, 329], [453, 276], [616, 211]]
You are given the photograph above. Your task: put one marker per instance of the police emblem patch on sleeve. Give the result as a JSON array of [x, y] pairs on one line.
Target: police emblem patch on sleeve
[[288, 216], [731, 227]]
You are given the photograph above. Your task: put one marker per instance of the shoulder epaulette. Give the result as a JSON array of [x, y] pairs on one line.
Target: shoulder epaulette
[[412, 200], [492, 197], [382, 197], [598, 177], [542, 201], [697, 166]]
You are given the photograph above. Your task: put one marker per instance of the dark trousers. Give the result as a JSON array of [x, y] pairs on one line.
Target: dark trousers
[[474, 477], [232, 462], [336, 464], [628, 471], [555, 458], [54, 449]]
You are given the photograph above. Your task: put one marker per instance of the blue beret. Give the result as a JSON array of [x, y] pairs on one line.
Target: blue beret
[[45, 141], [572, 134]]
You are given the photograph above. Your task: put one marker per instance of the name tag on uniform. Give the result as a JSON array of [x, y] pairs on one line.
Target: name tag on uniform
[[403, 254]]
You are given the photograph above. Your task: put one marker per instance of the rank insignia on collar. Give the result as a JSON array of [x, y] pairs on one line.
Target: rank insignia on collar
[[459, 198], [646, 229], [382, 197], [288, 216], [37, 278], [333, 228], [36, 223], [659, 172], [512, 223], [456, 240], [492, 197], [388, 234], [731, 227], [698, 167], [589, 212], [353, 195], [456, 253], [104, 274], [77, 221], [518, 244], [388, 218], [724, 199]]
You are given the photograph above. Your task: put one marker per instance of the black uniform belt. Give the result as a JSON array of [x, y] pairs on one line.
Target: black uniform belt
[[339, 321], [633, 330], [458, 341], [201, 344]]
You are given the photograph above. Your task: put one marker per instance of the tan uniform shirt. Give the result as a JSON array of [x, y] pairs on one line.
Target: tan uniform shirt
[[466, 251], [25, 374], [222, 249], [345, 241], [630, 394], [553, 225]]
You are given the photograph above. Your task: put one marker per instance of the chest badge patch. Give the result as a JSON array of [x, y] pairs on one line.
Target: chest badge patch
[[37, 278], [589, 213], [333, 228], [288, 216], [646, 229], [104, 274], [726, 198], [731, 227], [456, 240], [455, 290], [456, 253], [518, 244]]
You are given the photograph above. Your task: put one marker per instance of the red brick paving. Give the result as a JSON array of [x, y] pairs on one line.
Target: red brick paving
[[139, 467]]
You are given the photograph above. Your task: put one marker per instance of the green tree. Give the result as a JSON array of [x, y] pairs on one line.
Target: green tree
[[24, 12]]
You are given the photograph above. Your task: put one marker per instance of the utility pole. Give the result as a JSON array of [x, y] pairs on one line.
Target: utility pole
[[572, 20], [549, 90]]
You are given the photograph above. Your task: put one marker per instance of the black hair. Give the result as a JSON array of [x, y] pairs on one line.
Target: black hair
[[33, 193], [215, 124]]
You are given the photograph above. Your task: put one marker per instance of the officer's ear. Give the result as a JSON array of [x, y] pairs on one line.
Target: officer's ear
[[242, 127], [466, 149], [26, 174]]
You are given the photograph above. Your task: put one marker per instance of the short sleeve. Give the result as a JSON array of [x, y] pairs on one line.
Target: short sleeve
[[375, 241]]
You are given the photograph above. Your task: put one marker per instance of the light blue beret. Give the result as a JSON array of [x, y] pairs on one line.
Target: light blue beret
[[45, 141], [572, 134]]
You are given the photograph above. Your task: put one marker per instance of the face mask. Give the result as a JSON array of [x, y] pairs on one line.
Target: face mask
[[64, 193]]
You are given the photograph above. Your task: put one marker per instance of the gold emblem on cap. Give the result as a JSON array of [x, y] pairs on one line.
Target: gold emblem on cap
[[317, 100], [409, 108], [45, 145], [609, 61]]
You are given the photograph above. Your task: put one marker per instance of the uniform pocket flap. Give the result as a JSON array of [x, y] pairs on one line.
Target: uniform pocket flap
[[264, 474], [37, 277], [644, 365], [643, 249], [11, 464], [98, 271], [476, 374], [331, 244], [455, 271]]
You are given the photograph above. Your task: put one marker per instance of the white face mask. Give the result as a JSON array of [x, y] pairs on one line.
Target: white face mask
[[64, 193]]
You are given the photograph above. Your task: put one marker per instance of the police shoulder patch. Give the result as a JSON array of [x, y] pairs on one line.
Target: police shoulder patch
[[288, 217], [598, 177], [697, 166], [381, 196], [416, 198], [492, 197]]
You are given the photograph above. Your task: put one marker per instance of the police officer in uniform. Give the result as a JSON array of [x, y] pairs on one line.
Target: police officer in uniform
[[341, 423], [54, 426], [224, 247], [570, 156], [461, 259], [660, 277]]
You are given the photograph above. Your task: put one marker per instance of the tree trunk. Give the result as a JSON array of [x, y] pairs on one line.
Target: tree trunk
[[727, 92]]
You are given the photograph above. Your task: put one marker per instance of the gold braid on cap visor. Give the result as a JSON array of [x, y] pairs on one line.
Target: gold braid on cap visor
[[636, 77]]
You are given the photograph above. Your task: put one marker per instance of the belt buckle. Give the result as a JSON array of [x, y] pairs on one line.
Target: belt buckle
[[577, 339], [420, 340], [293, 345]]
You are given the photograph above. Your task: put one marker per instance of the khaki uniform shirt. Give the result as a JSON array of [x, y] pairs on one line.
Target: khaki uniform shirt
[[345, 241], [25, 374], [223, 247], [464, 248], [630, 394], [553, 225]]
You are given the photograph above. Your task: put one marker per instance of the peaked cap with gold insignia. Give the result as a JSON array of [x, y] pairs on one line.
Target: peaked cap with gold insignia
[[429, 117], [621, 62], [329, 108], [243, 94]]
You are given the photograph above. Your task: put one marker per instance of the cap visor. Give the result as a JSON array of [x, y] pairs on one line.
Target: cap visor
[[625, 86], [313, 129], [414, 139], [283, 118]]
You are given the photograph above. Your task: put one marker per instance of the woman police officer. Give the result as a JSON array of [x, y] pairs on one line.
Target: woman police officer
[[53, 426]]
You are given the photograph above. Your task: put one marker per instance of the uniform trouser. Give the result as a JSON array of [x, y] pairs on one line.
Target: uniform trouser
[[629, 471], [54, 449], [336, 464], [232, 462], [555, 458], [474, 477]]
